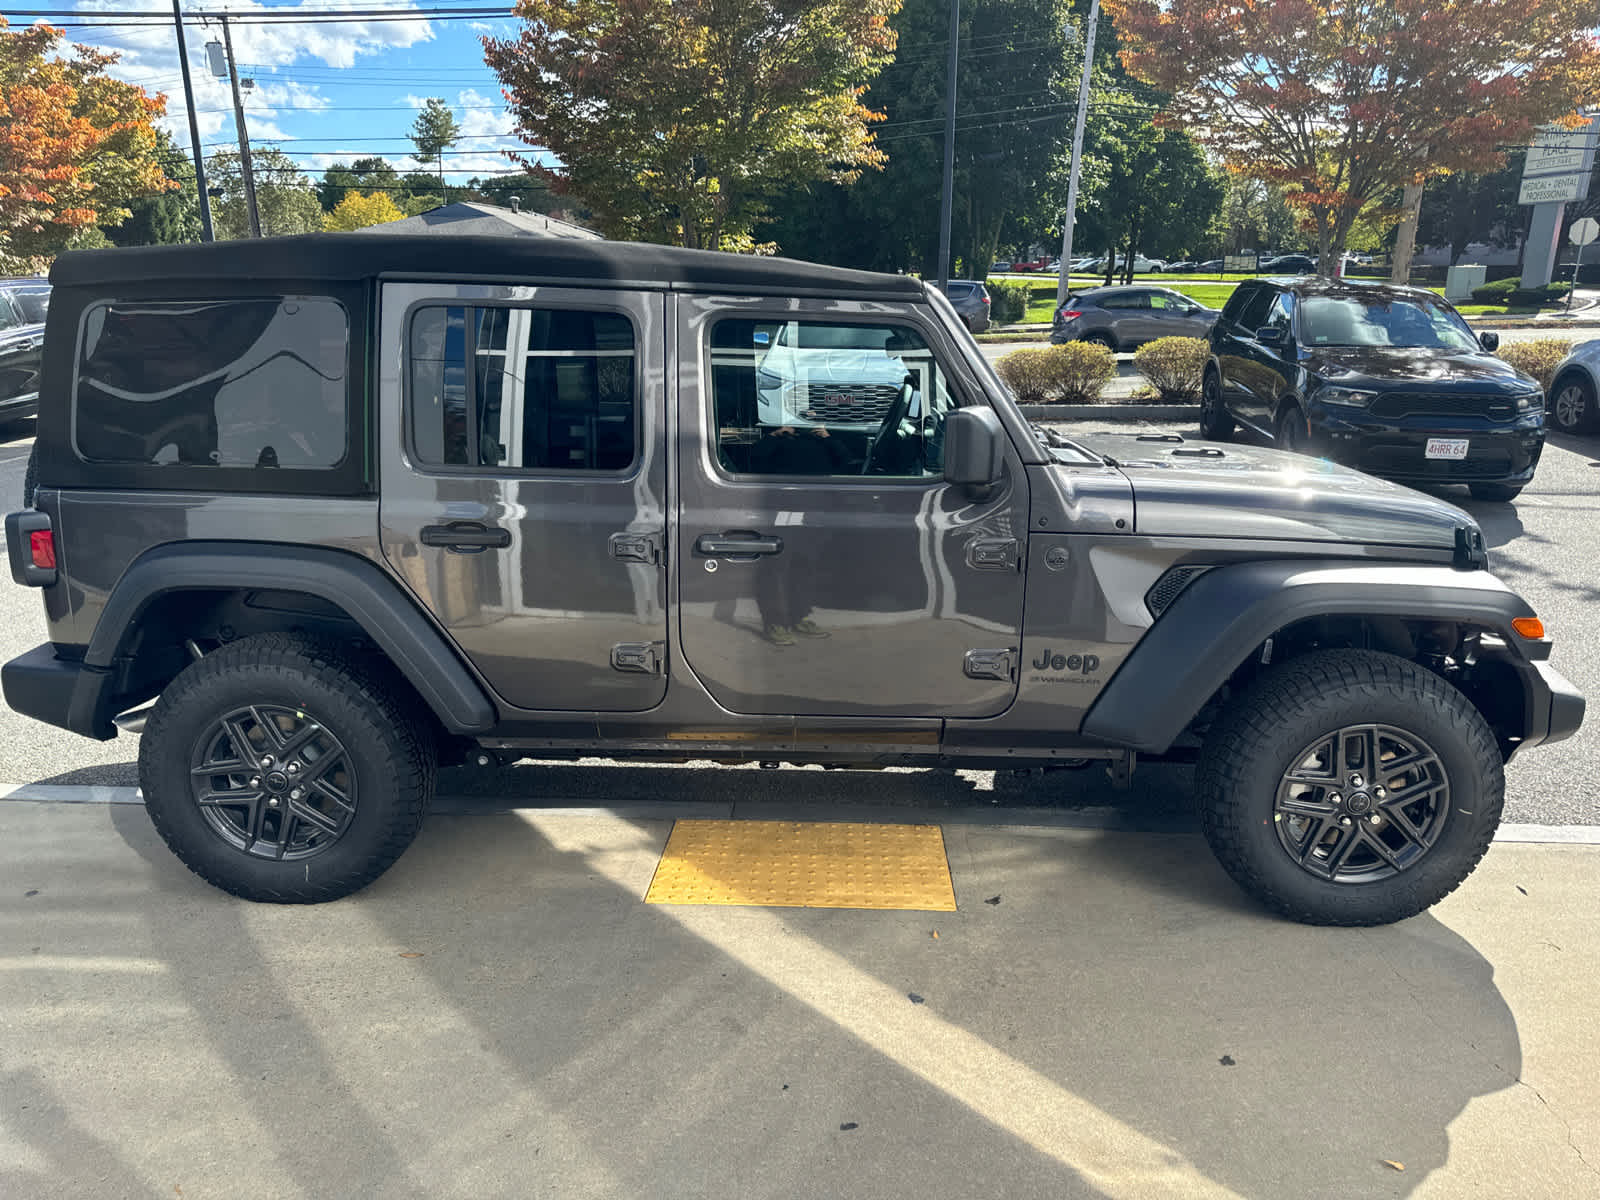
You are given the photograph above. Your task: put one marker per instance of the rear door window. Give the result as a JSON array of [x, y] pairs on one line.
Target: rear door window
[[1254, 313], [1125, 300]]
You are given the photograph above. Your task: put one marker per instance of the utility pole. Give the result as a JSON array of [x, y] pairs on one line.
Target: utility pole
[[947, 196], [244, 135], [1063, 285], [194, 129]]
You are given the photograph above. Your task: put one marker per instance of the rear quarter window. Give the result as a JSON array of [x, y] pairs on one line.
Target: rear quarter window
[[257, 384]]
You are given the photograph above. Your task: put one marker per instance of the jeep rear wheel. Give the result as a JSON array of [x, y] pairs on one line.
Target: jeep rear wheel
[[278, 768], [1349, 787]]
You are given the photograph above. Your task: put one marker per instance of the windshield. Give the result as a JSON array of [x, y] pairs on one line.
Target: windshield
[[1390, 321]]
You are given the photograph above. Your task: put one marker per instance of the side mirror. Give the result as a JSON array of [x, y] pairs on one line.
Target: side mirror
[[974, 448], [1489, 340], [1269, 335]]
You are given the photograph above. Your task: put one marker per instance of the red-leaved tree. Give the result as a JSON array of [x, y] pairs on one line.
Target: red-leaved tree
[[1347, 101]]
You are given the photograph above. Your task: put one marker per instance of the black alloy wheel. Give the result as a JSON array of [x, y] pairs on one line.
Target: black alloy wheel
[[1361, 803], [1101, 339], [274, 782], [287, 768], [1350, 787]]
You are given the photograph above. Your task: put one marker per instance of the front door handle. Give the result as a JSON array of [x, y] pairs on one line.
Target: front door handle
[[737, 545], [466, 536]]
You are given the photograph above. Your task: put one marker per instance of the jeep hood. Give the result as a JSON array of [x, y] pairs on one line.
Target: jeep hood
[[1211, 489]]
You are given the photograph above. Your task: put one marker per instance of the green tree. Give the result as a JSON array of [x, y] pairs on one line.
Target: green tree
[[434, 131], [1016, 84], [285, 198], [363, 175], [1464, 208], [165, 218], [675, 120]]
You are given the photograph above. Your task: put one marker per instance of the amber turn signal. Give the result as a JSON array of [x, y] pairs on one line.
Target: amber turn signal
[[1528, 627]]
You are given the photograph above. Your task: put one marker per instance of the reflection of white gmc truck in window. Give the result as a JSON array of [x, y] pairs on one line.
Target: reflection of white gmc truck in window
[[845, 375]]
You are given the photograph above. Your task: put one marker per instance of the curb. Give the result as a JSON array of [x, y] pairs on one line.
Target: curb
[[1109, 412]]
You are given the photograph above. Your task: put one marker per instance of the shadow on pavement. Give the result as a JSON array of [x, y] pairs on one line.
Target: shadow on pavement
[[501, 1007]]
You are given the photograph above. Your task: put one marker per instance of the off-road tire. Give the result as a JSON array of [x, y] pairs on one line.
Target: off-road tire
[[362, 702], [1259, 733], [1215, 423], [1502, 493]]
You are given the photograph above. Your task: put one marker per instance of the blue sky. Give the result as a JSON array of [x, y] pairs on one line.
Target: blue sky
[[324, 91]]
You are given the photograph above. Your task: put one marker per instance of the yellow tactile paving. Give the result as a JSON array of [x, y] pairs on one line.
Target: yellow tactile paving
[[798, 864]]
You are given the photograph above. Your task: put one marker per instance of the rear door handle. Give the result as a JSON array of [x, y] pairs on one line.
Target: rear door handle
[[737, 545], [466, 536]]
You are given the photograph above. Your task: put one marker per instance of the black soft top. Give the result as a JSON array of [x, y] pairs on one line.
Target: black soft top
[[352, 256]]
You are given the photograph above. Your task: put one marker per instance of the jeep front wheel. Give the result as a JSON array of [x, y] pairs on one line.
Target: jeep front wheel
[[280, 769], [1349, 787]]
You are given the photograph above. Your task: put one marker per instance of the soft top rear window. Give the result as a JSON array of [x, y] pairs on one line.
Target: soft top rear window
[[252, 383]]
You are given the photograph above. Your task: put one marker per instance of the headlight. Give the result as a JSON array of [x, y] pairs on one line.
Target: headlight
[[768, 379], [1349, 397], [1530, 401]]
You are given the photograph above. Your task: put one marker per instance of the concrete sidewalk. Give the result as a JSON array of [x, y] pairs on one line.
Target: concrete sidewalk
[[500, 1015]]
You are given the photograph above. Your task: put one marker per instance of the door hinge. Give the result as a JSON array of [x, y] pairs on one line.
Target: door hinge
[[639, 658], [993, 554], [991, 664], [636, 547]]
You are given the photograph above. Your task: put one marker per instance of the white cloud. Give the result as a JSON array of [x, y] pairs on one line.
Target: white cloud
[[150, 59]]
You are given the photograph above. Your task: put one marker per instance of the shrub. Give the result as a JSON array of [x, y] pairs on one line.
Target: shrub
[[1029, 374], [1510, 291], [1081, 370], [1538, 358], [1174, 366], [1008, 300]]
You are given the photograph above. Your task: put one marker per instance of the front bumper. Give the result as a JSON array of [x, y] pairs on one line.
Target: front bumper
[[1498, 451], [1555, 706]]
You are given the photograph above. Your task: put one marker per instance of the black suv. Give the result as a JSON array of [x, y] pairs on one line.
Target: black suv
[[23, 305], [319, 514], [1386, 379]]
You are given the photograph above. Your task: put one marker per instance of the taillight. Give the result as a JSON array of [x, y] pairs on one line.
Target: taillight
[[986, 299], [42, 548], [1069, 314]]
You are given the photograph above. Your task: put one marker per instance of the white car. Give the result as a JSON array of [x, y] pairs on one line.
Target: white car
[[1572, 405], [835, 376]]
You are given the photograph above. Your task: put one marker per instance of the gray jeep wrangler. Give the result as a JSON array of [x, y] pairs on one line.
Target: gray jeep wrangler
[[348, 507]]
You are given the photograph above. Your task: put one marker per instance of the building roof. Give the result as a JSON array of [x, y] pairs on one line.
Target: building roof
[[487, 220], [352, 256]]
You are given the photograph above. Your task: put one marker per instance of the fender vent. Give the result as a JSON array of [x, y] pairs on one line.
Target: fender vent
[[1166, 589]]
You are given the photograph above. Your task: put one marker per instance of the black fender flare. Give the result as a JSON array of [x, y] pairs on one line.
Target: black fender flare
[[1221, 618], [356, 585]]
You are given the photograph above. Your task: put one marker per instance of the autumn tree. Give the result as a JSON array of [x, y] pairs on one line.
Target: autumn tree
[[434, 131], [285, 199], [357, 211], [76, 146], [1346, 102], [673, 120], [363, 175]]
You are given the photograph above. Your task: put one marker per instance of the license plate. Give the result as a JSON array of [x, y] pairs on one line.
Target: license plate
[[1454, 448]]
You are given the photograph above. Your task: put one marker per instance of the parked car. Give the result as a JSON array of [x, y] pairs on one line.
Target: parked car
[[1211, 264], [24, 304], [1288, 264], [317, 514], [1128, 316], [971, 301], [1174, 268], [1574, 405], [1000, 267], [1387, 379]]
